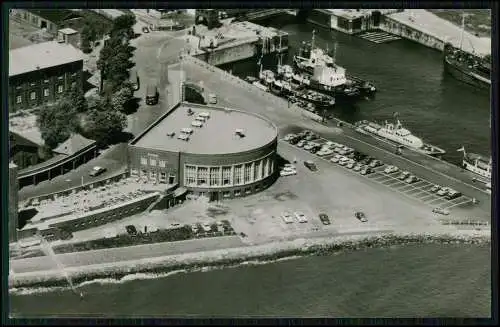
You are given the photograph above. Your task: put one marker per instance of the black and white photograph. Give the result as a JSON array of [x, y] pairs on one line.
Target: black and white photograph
[[249, 163]]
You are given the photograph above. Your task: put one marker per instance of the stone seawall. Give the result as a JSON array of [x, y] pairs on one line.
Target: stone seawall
[[232, 256], [237, 52]]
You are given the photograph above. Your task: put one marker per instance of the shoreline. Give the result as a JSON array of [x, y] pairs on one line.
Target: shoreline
[[231, 257]]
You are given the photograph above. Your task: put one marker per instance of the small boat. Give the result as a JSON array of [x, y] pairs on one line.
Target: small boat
[[476, 164]]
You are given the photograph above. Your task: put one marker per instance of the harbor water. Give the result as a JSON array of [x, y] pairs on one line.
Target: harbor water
[[415, 280], [420, 280], [410, 80]]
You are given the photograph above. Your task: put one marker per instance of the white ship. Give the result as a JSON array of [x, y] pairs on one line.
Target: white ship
[[476, 164], [399, 135]]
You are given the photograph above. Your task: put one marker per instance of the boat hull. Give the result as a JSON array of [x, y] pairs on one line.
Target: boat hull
[[470, 167], [464, 76]]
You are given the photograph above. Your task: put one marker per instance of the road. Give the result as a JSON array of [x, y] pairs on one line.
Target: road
[[234, 92], [151, 48], [125, 253]]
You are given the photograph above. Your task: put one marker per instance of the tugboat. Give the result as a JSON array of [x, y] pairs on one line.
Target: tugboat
[[399, 135], [476, 164], [319, 100], [468, 68], [327, 76]]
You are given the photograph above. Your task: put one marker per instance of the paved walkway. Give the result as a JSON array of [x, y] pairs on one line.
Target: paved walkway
[[427, 22]]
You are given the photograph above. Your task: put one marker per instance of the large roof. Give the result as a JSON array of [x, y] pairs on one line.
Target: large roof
[[55, 15], [73, 144], [41, 56], [217, 136]]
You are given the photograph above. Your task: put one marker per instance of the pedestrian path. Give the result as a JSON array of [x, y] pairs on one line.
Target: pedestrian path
[[379, 37]]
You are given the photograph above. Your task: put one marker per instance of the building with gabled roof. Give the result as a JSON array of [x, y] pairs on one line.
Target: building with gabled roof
[[50, 19]]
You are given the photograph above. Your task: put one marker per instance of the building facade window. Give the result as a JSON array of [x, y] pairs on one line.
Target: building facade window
[[257, 170], [144, 161], [45, 92], [152, 174], [162, 163], [264, 167], [171, 178], [202, 179], [237, 193], [19, 99], [163, 177], [248, 190], [238, 169], [144, 173], [152, 162], [214, 176], [60, 89], [270, 166], [226, 175], [226, 194], [33, 95], [247, 175], [190, 175]]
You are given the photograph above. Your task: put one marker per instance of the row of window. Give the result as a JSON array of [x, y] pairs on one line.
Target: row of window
[[228, 175], [236, 193], [161, 177], [152, 162], [46, 93]]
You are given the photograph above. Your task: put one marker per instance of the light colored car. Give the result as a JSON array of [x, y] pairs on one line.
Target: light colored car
[[441, 211], [444, 191], [309, 146], [350, 164], [335, 158], [357, 167], [323, 153], [391, 169], [404, 175], [97, 171], [301, 218], [301, 143], [375, 163], [337, 149], [212, 98], [343, 161], [288, 137], [287, 218], [289, 166], [194, 228], [288, 172], [435, 188]]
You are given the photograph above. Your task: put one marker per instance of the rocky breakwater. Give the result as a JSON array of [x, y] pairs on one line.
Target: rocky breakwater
[[235, 256]]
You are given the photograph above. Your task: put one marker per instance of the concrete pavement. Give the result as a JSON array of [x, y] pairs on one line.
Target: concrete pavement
[[124, 254]]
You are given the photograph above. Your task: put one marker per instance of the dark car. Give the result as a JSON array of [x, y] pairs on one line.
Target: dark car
[[310, 165], [96, 171], [152, 95], [131, 230], [453, 195], [324, 218], [145, 29], [361, 216], [315, 148]]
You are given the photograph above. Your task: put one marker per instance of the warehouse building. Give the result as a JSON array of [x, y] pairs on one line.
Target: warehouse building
[[42, 73], [207, 151]]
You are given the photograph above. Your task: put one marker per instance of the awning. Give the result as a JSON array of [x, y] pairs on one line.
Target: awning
[[180, 191]]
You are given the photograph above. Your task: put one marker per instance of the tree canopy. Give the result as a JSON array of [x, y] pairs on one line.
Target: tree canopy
[[104, 123], [57, 122]]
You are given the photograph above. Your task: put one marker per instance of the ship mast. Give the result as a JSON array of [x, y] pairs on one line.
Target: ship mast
[[463, 29], [335, 53], [312, 40]]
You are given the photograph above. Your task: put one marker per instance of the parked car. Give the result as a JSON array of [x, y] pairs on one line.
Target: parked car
[[366, 170], [145, 29], [212, 98], [194, 228], [288, 172], [444, 191], [289, 165], [404, 175], [310, 165], [361, 216], [152, 94], [131, 230], [288, 137], [324, 218], [343, 161], [309, 146], [335, 158], [301, 143], [375, 163], [411, 179], [301, 218], [207, 227], [287, 218], [357, 167], [96, 171], [452, 194], [350, 164], [441, 211], [435, 188], [325, 152], [391, 169]]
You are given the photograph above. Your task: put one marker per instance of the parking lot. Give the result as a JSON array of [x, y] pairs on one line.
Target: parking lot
[[419, 190]]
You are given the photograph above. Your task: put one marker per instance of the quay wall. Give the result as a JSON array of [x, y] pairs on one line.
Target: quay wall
[[397, 28], [237, 52]]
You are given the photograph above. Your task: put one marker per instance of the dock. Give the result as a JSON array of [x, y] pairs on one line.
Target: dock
[[424, 27], [234, 92]]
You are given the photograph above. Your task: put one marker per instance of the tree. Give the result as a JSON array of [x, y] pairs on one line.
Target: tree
[[122, 98], [122, 25], [77, 98], [105, 124], [57, 122]]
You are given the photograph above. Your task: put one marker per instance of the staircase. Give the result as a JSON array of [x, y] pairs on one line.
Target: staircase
[[378, 37]]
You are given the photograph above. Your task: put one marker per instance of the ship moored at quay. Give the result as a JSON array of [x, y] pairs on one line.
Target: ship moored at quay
[[396, 133]]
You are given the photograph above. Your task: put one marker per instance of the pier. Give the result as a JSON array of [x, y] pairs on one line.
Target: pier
[[424, 27]]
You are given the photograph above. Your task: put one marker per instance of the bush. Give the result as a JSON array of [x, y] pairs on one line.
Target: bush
[[57, 122]]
